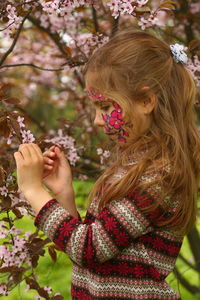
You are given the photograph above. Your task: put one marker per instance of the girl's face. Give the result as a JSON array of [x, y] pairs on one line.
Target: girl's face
[[109, 115]]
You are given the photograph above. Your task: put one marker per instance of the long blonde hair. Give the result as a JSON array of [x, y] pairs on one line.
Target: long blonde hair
[[131, 60]]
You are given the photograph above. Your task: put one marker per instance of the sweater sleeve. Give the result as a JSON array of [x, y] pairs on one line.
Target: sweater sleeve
[[117, 225]]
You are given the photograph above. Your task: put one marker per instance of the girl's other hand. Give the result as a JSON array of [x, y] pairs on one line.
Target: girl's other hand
[[57, 174]]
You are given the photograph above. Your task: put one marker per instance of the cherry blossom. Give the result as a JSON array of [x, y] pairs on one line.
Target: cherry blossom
[[4, 289], [67, 143]]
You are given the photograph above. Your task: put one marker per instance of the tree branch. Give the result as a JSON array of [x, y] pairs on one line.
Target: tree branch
[[94, 14], [194, 242], [187, 262], [115, 26], [42, 128], [7, 26], [30, 65], [192, 288], [14, 41]]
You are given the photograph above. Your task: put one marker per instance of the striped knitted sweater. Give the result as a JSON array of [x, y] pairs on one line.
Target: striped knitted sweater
[[118, 253]]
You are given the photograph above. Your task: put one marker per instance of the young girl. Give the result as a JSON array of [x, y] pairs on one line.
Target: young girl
[[145, 201]]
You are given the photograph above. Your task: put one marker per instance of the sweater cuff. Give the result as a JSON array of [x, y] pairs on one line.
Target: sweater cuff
[[43, 214], [40, 217]]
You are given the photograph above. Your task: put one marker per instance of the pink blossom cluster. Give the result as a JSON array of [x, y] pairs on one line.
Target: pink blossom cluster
[[194, 67], [149, 21], [82, 177], [194, 7], [14, 19], [4, 289], [122, 7], [27, 136], [60, 100], [40, 53], [64, 8], [16, 254], [14, 251], [104, 154], [89, 41], [67, 142], [7, 190]]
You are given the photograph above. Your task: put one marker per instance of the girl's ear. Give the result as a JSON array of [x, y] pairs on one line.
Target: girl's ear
[[149, 102]]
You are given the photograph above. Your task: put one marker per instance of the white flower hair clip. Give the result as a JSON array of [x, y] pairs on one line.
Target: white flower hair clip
[[178, 53]]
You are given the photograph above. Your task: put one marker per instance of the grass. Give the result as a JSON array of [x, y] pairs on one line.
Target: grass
[[58, 274]]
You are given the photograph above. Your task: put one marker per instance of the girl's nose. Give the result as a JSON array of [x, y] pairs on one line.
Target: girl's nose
[[99, 121]]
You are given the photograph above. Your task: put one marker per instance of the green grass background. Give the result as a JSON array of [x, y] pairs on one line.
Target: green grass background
[[58, 274]]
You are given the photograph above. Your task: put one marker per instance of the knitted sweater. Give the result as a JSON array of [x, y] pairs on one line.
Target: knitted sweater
[[118, 253]]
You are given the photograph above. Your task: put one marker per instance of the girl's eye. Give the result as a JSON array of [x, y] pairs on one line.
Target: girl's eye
[[105, 108]]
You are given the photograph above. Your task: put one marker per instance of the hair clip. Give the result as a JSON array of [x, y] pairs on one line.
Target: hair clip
[[178, 53]]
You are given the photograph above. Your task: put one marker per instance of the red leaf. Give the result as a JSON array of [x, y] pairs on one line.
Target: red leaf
[[4, 128], [17, 213], [12, 100], [15, 126], [52, 252], [11, 269], [32, 283], [2, 176], [43, 293]]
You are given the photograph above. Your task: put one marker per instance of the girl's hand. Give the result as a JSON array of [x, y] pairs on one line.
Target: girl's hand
[[30, 163], [57, 174]]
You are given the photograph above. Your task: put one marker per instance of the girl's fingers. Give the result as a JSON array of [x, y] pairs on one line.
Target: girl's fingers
[[35, 156], [48, 160], [49, 154], [48, 167], [25, 151], [36, 150]]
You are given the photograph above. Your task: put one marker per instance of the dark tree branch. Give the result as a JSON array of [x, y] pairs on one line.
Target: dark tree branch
[[192, 288], [42, 128], [94, 14], [7, 26], [187, 262], [56, 39], [25, 2], [115, 26], [54, 36], [184, 9], [14, 41], [194, 242], [30, 65]]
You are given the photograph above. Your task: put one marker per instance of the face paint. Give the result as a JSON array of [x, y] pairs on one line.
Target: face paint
[[114, 120]]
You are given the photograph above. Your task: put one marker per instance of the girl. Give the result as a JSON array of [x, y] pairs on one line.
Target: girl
[[145, 201]]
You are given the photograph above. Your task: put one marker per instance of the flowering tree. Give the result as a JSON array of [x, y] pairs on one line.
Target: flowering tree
[[44, 46]]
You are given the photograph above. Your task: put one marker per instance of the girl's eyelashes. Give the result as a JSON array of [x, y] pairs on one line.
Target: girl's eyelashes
[[105, 107]]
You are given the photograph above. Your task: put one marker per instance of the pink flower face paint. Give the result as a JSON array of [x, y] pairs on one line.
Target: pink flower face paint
[[114, 120]]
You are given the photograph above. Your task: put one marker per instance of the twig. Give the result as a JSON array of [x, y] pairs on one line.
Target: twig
[[115, 26], [187, 262], [24, 3], [30, 65], [192, 288], [7, 26], [56, 39], [14, 41], [94, 14]]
